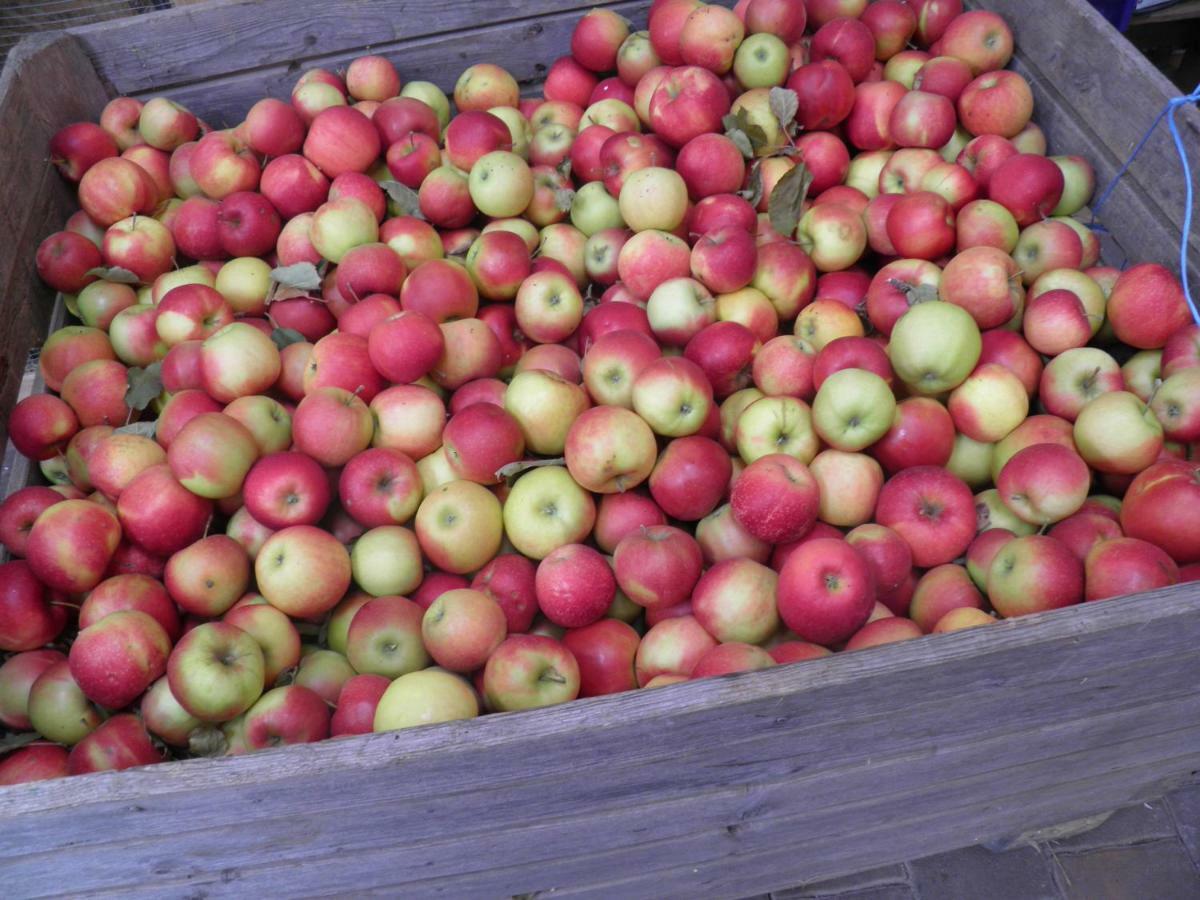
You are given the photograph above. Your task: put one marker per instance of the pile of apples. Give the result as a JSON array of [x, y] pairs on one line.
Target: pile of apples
[[764, 334]]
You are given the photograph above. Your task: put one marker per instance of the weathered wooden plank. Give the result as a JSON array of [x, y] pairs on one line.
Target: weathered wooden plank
[[1097, 94], [1131, 625], [190, 44], [805, 720], [841, 798], [525, 47], [644, 845], [46, 83]]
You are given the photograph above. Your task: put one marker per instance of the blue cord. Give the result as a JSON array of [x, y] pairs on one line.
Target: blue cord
[[1168, 112]]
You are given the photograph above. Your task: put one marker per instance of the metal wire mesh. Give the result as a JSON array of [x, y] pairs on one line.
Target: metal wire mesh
[[19, 18]]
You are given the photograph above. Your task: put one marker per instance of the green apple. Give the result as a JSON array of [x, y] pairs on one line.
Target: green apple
[[545, 510], [594, 209], [853, 409], [934, 347], [762, 61], [501, 184], [386, 560], [423, 698]]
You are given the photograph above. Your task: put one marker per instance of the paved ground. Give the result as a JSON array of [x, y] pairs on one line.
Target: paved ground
[[1148, 852]]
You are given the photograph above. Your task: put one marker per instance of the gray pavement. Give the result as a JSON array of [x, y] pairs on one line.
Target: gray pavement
[[1145, 852]]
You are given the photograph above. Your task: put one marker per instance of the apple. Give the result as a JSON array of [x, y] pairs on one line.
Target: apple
[[605, 652], [989, 404], [735, 600], [776, 498], [1075, 377], [985, 281], [1044, 483], [159, 514], [384, 637], [853, 409], [1028, 186], [825, 591], [529, 671], [941, 590], [302, 570], [70, 545], [849, 485], [274, 632], [1147, 306], [113, 189], [688, 101], [666, 23], [291, 714], [671, 646], [921, 225], [459, 526], [357, 703], [545, 510], [934, 347], [1125, 565], [65, 259], [119, 743], [1160, 508], [673, 396], [423, 698], [216, 671], [1117, 433], [1032, 574], [932, 509], [574, 585], [762, 60], [18, 511], [997, 102], [324, 671], [690, 477], [636, 57], [77, 147], [28, 617], [982, 39], [774, 425], [784, 366], [386, 560], [115, 659]]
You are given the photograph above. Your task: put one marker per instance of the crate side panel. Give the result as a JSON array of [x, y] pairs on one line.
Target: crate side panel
[[193, 44], [47, 82], [525, 48], [813, 735]]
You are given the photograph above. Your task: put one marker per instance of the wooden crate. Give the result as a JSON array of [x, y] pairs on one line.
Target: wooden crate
[[724, 787]]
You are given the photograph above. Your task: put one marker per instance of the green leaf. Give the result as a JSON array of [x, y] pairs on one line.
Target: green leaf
[[302, 276], [753, 191], [742, 141], [564, 198], [784, 104], [914, 293], [741, 121], [145, 429], [115, 273], [283, 337], [143, 385], [787, 200], [407, 200]]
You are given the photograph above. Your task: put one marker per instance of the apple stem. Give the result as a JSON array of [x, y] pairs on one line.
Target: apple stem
[[64, 604]]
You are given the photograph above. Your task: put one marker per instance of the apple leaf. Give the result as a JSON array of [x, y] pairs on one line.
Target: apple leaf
[[787, 200], [302, 276], [145, 429], [753, 191], [405, 198], [283, 337], [16, 741], [914, 293], [564, 199], [740, 123], [143, 385], [514, 469], [115, 273], [784, 104], [208, 740]]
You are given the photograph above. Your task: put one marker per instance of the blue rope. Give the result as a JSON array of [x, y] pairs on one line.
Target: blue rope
[[1169, 113]]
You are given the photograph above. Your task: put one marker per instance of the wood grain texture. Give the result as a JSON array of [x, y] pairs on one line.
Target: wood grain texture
[[843, 763], [47, 82], [1095, 94], [220, 58], [525, 48]]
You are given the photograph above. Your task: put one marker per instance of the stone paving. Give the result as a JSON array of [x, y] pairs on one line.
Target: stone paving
[[1145, 852]]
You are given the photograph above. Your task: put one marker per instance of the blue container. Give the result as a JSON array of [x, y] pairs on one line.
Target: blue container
[[1118, 12]]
